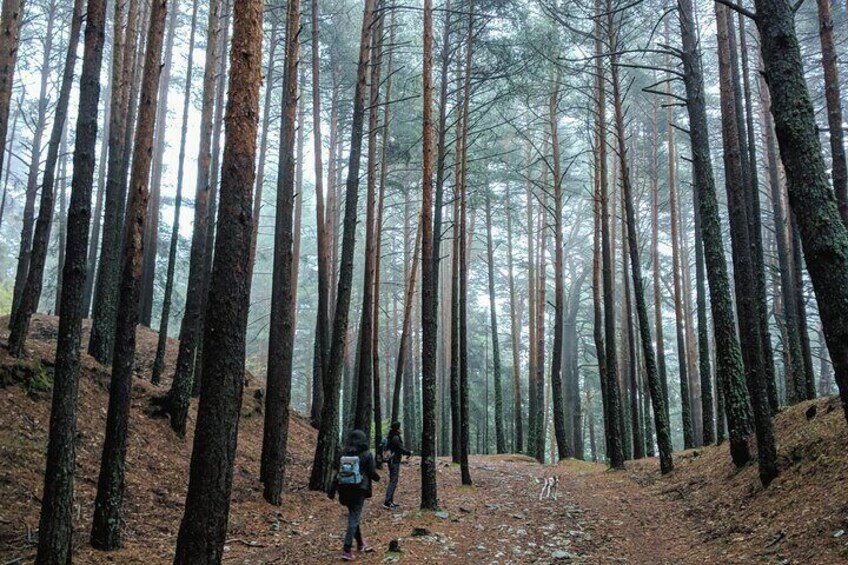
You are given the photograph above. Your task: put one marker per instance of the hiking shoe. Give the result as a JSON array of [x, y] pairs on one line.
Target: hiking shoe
[[393, 505], [365, 548], [348, 556], [389, 505]]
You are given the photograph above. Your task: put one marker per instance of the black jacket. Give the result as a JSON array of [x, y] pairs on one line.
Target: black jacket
[[395, 445]]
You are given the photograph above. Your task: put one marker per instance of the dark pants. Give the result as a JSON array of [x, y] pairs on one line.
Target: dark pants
[[354, 515], [394, 474]]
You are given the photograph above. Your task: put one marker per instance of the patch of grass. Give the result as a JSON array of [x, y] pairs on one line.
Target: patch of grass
[[34, 378]]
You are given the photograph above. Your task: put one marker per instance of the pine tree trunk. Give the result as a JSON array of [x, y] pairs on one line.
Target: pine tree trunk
[[8, 165], [655, 258], [10, 24], [707, 402], [106, 290], [325, 450], [515, 334], [729, 367], [609, 384], [106, 528], [55, 528], [63, 222], [179, 395], [162, 342], [597, 284], [500, 436], [833, 99], [40, 124], [204, 524], [31, 291], [281, 325], [743, 268], [824, 237], [151, 232]]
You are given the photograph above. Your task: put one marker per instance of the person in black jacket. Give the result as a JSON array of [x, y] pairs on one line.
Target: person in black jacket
[[353, 496], [396, 450]]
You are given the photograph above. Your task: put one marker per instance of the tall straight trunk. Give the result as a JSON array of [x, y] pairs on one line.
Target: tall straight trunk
[[655, 258], [39, 125], [515, 335], [541, 287], [795, 367], [406, 326], [106, 290], [378, 243], [63, 222], [680, 319], [322, 219], [325, 450], [429, 281], [806, 388], [151, 232], [632, 377], [745, 121], [281, 325], [708, 422], [464, 246], [364, 381], [824, 237], [533, 410], [204, 525], [833, 98], [31, 291], [500, 436], [657, 400], [10, 31], [214, 174], [456, 418], [571, 369], [55, 527], [564, 448], [179, 394], [106, 527], [164, 320], [729, 367], [609, 383], [103, 160], [743, 269], [597, 284]]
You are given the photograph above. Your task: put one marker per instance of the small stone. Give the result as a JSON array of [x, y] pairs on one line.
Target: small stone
[[838, 533], [562, 555], [442, 515], [420, 532]]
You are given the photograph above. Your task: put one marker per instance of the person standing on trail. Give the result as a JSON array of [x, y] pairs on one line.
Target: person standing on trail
[[394, 450], [357, 470]]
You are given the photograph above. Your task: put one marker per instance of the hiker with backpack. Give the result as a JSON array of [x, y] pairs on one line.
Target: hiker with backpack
[[357, 470], [392, 453]]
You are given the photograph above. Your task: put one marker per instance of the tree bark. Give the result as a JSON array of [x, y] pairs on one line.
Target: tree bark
[[743, 268], [281, 325], [162, 342], [106, 527], [204, 524], [55, 528], [179, 395], [500, 436], [10, 31], [325, 451], [31, 291], [729, 367]]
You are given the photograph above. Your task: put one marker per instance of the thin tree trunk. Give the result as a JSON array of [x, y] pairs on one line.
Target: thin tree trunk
[[281, 326], [27, 237], [8, 166], [743, 269], [10, 24], [151, 232], [204, 524], [106, 291], [106, 527], [325, 449], [55, 527], [500, 437], [162, 342], [179, 395], [729, 367], [31, 291], [515, 333]]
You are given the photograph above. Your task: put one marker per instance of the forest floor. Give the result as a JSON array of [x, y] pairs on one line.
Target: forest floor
[[703, 512]]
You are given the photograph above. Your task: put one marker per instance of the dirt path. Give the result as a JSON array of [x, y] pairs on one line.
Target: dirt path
[[597, 518]]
